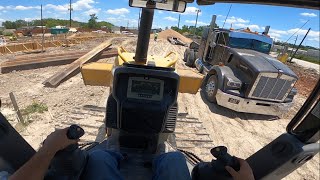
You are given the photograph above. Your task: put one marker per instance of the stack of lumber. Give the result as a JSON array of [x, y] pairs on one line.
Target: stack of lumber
[[74, 68], [41, 61]]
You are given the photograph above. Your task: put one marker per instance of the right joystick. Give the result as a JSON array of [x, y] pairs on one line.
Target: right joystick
[[75, 132], [216, 168], [224, 158]]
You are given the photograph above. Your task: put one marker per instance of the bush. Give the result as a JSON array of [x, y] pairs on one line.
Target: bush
[[308, 58], [6, 33], [34, 108]]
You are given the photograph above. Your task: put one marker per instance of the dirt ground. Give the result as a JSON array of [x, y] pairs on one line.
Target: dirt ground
[[242, 133]]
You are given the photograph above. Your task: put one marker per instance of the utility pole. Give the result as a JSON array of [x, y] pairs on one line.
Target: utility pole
[[295, 41], [139, 19], [195, 26], [70, 9], [128, 25], [179, 21], [42, 48], [300, 45]]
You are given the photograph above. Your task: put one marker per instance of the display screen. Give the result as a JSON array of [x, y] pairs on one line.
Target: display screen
[[152, 88], [145, 88]]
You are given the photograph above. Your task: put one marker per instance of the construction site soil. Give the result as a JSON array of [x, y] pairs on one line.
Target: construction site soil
[[71, 102]]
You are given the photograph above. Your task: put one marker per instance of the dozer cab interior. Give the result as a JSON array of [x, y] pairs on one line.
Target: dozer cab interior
[[141, 113]]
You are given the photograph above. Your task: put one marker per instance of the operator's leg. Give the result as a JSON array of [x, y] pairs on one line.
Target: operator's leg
[[171, 166], [103, 165]]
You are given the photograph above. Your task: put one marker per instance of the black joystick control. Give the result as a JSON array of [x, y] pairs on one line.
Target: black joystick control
[[216, 168], [70, 161], [224, 158], [75, 132]]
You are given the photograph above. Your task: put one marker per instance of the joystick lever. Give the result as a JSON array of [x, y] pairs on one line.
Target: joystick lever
[[75, 132], [68, 162], [223, 158], [216, 168]]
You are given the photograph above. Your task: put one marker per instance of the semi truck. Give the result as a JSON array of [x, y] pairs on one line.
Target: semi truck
[[239, 72]]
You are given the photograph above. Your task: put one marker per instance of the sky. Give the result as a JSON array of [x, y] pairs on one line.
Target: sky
[[284, 21]]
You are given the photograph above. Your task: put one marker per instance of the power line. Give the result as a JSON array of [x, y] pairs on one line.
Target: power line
[[296, 31], [227, 16]]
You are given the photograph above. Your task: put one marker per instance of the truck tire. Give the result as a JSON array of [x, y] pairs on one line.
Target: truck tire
[[186, 54], [191, 59], [211, 88]]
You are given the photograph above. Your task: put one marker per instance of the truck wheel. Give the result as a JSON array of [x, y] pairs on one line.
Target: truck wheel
[[186, 54], [211, 88], [191, 59]]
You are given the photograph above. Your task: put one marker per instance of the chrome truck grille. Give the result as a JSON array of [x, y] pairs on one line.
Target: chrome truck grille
[[268, 86]]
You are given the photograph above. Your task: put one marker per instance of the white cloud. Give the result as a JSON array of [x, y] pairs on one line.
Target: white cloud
[[302, 32], [251, 26], [60, 8], [122, 21], [191, 11], [281, 32], [284, 34], [26, 7], [118, 11], [30, 19], [169, 18], [82, 4], [275, 35], [76, 6], [92, 11], [2, 20], [76, 18], [199, 23], [233, 19], [308, 14], [1, 7], [314, 39]]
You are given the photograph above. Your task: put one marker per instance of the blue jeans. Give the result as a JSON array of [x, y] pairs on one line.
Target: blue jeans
[[104, 165]]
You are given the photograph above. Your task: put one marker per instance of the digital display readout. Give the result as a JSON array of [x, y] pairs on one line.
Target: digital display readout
[[145, 88], [152, 88]]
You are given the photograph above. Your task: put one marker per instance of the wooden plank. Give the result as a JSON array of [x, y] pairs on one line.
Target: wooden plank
[[74, 68], [25, 47], [16, 107], [41, 62], [8, 49]]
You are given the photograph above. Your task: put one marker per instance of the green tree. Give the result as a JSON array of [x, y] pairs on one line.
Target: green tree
[[92, 23], [104, 23], [175, 28], [9, 25]]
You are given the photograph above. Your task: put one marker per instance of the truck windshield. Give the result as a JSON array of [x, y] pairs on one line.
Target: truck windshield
[[249, 44]]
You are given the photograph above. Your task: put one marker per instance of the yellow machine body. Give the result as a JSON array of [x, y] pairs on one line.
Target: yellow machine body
[[283, 57], [100, 74]]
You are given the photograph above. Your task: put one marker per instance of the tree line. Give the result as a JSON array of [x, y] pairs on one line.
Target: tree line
[[191, 29], [51, 22], [295, 46]]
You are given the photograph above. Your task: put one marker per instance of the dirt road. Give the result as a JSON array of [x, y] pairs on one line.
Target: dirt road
[[242, 133]]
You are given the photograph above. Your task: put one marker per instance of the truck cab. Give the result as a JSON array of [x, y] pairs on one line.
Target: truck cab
[[239, 72]]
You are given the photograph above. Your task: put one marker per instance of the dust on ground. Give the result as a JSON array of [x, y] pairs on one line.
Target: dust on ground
[[242, 133]]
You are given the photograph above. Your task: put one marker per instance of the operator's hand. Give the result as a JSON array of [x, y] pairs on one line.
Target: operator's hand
[[245, 172], [58, 140]]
